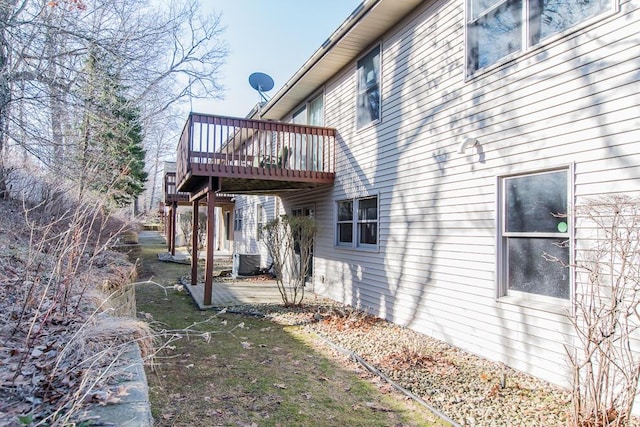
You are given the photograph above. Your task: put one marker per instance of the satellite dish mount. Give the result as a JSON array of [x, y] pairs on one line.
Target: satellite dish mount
[[262, 83]]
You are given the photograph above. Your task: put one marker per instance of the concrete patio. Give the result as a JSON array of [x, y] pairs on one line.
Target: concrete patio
[[239, 291], [226, 292]]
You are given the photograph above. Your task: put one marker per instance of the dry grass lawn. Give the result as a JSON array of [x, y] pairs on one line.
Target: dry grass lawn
[[233, 370]]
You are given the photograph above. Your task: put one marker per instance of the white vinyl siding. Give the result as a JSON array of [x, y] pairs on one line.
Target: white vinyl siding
[[255, 210], [574, 100]]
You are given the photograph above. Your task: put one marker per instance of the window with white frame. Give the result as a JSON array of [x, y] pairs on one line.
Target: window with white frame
[[497, 28], [259, 221], [344, 227], [237, 220], [534, 249], [316, 147], [298, 150], [308, 150], [368, 221], [357, 222], [368, 90], [316, 111]]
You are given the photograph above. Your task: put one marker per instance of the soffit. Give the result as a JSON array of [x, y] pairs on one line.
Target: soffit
[[368, 23]]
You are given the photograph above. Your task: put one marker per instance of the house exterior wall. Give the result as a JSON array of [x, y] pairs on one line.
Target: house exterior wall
[[246, 239], [573, 102]]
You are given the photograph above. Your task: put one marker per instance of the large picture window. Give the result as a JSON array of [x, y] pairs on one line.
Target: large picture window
[[357, 222], [368, 81], [535, 235], [497, 28]]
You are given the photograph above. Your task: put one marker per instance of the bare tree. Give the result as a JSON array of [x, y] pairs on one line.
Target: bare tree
[[606, 317], [289, 240], [162, 55], [161, 135]]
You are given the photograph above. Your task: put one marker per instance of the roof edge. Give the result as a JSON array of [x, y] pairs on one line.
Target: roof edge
[[352, 20]]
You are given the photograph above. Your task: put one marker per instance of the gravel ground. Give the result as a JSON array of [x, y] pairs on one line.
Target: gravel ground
[[470, 390]]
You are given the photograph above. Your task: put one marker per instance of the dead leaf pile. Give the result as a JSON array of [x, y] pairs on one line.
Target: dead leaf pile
[[344, 318], [412, 359], [52, 360]]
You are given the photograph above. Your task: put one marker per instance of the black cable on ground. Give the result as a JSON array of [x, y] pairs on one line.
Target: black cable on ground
[[373, 370]]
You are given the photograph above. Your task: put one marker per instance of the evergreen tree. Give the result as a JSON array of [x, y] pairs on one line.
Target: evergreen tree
[[125, 146], [113, 137]]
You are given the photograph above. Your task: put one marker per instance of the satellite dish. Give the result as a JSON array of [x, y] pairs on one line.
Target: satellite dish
[[262, 83]]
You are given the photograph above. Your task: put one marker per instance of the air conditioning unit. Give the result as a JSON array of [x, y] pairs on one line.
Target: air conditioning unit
[[245, 264]]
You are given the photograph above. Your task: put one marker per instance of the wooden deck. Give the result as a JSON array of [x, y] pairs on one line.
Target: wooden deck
[[171, 195], [220, 156], [253, 156]]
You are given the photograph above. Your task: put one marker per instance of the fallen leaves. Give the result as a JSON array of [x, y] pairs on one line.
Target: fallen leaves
[[49, 359], [344, 318], [110, 397]]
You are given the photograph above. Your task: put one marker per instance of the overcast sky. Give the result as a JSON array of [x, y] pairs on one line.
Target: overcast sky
[[270, 36]]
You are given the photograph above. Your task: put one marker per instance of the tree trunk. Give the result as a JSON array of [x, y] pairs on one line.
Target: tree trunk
[[154, 178], [5, 93]]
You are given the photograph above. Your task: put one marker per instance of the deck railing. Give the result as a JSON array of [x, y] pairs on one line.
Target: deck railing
[[255, 149], [171, 193]]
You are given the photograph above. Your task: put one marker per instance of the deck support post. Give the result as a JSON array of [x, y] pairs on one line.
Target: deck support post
[[208, 273], [194, 243], [172, 228], [167, 226]]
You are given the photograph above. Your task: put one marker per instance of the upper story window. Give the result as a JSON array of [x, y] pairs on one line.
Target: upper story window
[[310, 113], [497, 28], [315, 115], [368, 95]]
